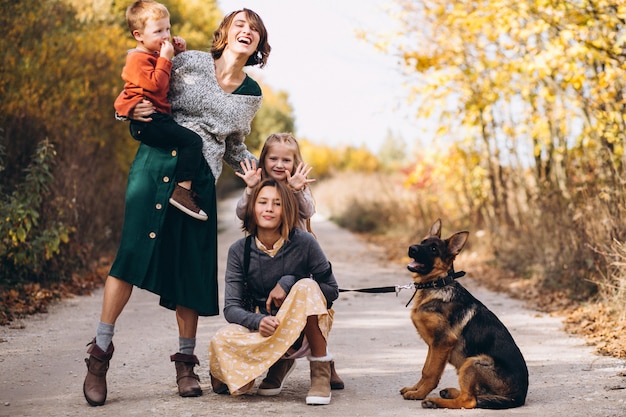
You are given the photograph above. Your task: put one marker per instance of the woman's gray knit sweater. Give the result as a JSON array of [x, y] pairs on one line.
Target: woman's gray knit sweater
[[221, 119]]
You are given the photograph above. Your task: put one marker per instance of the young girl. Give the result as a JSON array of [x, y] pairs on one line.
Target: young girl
[[279, 291], [281, 160]]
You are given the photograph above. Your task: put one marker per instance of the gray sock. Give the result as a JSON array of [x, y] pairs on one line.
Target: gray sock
[[104, 335], [186, 345]]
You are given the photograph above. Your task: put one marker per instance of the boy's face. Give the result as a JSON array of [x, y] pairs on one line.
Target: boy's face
[[153, 35]]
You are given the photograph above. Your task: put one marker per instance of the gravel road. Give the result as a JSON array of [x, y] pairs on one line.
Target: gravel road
[[377, 352]]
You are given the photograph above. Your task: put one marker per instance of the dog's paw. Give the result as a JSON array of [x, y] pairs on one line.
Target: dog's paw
[[449, 393], [412, 395], [428, 403], [484, 360], [407, 389]]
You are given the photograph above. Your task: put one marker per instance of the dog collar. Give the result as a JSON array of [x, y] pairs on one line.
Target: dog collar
[[438, 283]]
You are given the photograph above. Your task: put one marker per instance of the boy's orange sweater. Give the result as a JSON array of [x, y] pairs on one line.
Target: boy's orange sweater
[[146, 76]]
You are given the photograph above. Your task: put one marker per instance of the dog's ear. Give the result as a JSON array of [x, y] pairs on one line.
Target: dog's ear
[[456, 242], [435, 229]]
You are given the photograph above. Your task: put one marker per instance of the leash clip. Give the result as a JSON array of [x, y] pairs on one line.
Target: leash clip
[[403, 287]]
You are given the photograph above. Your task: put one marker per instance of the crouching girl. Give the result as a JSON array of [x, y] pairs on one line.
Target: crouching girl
[[278, 297]]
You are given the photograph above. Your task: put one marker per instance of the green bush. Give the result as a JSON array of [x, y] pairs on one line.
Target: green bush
[[27, 246]]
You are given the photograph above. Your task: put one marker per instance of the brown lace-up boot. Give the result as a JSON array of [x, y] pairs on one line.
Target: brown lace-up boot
[[188, 381], [95, 385]]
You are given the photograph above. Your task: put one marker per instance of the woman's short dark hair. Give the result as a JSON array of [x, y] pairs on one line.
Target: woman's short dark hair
[[220, 38], [289, 206]]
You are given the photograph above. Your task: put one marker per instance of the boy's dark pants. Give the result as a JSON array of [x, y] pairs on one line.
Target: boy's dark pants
[[164, 132]]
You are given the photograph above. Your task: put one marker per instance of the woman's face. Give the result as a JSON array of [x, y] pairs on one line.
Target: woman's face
[[242, 36], [268, 209], [278, 161]]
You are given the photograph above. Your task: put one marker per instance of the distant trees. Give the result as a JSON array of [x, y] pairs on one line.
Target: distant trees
[[66, 158], [530, 101]]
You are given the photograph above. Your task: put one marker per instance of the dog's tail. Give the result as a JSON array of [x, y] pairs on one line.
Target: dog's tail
[[498, 402]]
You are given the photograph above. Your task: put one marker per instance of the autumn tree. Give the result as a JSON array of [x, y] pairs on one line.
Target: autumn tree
[[58, 80], [392, 153], [535, 90]]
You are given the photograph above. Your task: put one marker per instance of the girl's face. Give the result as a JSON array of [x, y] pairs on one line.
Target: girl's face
[[242, 36], [153, 35], [279, 159], [268, 209]]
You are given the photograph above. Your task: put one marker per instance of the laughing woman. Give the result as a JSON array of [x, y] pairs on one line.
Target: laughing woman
[[279, 291], [163, 250]]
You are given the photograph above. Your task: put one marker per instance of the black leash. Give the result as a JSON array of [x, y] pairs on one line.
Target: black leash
[[438, 283]]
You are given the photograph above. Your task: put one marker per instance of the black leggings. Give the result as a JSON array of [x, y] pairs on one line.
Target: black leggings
[[164, 132]]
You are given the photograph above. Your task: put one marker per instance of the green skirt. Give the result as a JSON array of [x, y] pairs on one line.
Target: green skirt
[[162, 249]]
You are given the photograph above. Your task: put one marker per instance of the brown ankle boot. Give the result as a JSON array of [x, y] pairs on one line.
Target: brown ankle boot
[[335, 380], [95, 385], [319, 394], [272, 384], [218, 386], [186, 378]]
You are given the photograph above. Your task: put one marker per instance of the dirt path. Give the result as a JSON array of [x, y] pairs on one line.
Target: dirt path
[[376, 347]]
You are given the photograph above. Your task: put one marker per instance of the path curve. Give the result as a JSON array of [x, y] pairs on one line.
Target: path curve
[[377, 352]]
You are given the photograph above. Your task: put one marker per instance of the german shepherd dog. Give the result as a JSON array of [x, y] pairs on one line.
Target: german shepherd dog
[[460, 330]]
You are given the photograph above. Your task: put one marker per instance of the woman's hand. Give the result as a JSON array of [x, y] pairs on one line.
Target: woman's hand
[[268, 326], [251, 175], [299, 179], [142, 111]]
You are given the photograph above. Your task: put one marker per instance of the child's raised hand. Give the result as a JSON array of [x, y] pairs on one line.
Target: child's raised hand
[[299, 179], [180, 45], [251, 175], [167, 50]]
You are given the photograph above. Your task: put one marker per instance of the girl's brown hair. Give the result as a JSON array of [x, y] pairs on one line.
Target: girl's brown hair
[[220, 37], [289, 206]]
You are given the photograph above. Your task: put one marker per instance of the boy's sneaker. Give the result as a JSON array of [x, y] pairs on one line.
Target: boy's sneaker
[[185, 200], [275, 379]]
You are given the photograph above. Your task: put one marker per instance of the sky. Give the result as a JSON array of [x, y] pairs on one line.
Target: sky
[[342, 90]]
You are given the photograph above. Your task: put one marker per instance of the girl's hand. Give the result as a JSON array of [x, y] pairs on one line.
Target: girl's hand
[[299, 179], [180, 45], [268, 326], [251, 175], [142, 111], [276, 297]]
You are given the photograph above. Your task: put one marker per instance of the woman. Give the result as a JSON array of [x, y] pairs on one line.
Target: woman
[[163, 250], [279, 290]]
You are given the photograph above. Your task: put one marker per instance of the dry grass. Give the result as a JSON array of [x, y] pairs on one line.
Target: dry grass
[[601, 321]]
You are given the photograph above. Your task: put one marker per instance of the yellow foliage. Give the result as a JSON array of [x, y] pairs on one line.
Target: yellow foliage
[[323, 159], [327, 160]]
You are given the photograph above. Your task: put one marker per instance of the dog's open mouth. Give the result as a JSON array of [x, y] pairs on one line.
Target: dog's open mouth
[[415, 266]]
